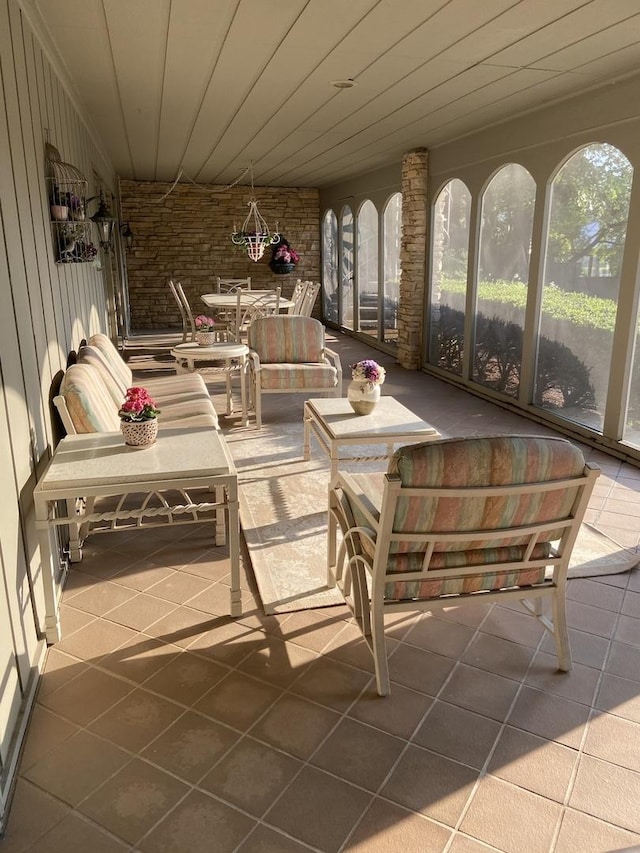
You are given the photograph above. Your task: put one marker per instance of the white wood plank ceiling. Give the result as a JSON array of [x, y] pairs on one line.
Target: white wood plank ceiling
[[211, 86]]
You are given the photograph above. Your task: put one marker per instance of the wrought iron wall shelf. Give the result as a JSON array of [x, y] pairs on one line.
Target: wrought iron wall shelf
[[71, 228]]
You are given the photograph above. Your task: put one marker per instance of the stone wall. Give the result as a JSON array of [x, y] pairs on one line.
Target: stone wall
[[415, 213], [187, 237]]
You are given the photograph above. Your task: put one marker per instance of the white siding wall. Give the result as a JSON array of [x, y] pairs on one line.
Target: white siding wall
[[45, 310]]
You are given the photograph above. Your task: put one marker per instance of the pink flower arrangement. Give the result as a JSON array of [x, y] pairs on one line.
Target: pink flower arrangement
[[204, 324], [286, 255], [138, 406]]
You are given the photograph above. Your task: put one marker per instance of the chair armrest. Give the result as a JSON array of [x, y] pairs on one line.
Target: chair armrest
[[61, 405], [333, 357], [363, 491], [254, 361]]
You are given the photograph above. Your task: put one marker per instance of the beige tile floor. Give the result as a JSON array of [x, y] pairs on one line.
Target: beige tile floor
[[163, 726]]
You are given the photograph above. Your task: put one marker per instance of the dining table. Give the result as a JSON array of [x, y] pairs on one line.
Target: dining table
[[229, 301]]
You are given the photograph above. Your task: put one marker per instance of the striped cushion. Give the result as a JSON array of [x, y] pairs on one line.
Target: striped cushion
[[297, 377], [88, 400], [95, 358], [488, 461], [113, 358], [287, 339]]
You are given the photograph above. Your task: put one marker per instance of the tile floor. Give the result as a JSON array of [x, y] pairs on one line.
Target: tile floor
[[163, 726]]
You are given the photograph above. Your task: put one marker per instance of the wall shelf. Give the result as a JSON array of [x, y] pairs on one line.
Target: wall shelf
[[71, 229]]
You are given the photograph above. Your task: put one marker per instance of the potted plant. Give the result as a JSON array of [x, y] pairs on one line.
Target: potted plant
[[363, 392], [205, 330], [283, 257], [59, 205], [139, 418], [76, 207]]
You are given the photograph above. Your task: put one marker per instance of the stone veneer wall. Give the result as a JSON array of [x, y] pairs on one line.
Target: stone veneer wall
[[415, 213], [187, 237]]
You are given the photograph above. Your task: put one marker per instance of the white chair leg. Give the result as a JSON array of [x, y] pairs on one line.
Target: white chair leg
[[561, 632], [379, 649], [257, 402]]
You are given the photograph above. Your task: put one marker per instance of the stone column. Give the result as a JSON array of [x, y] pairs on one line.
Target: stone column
[[415, 220]]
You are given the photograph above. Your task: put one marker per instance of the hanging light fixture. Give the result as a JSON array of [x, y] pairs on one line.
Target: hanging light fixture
[[254, 234], [128, 235], [105, 221]]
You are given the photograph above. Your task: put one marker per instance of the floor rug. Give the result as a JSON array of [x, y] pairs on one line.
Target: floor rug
[[283, 514]]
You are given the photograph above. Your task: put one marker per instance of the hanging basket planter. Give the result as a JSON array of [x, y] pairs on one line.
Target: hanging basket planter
[[254, 234], [283, 257], [281, 269]]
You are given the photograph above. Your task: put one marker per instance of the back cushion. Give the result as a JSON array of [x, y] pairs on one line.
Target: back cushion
[[486, 461], [287, 339], [91, 407], [113, 357], [95, 359]]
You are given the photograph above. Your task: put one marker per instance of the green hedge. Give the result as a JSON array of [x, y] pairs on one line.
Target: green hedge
[[583, 310]]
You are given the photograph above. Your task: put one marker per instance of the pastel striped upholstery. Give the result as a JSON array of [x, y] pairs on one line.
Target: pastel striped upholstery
[[117, 364], [91, 396], [287, 339], [88, 401], [461, 519], [296, 377], [288, 355], [95, 357], [86, 404]]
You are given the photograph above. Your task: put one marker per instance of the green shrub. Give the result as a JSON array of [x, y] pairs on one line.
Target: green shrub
[[578, 308], [562, 379]]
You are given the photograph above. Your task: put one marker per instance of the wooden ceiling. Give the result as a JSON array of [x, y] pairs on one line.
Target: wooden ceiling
[[210, 87]]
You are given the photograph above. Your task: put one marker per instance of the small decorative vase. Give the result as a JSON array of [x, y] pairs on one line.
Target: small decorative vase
[[362, 396], [139, 433], [205, 339], [282, 269]]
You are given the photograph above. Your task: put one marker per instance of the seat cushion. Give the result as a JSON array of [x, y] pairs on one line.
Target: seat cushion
[[297, 377]]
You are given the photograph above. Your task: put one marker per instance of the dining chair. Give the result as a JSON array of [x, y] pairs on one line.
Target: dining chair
[[297, 297], [309, 299], [457, 521], [249, 310], [188, 324], [224, 285]]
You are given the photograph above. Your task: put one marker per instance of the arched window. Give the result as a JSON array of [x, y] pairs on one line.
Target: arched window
[[346, 268], [503, 275], [330, 267], [586, 232], [367, 260], [392, 233], [450, 253]]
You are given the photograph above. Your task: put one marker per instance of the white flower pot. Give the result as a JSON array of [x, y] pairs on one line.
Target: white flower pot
[[362, 396], [139, 433], [60, 212], [205, 339]]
